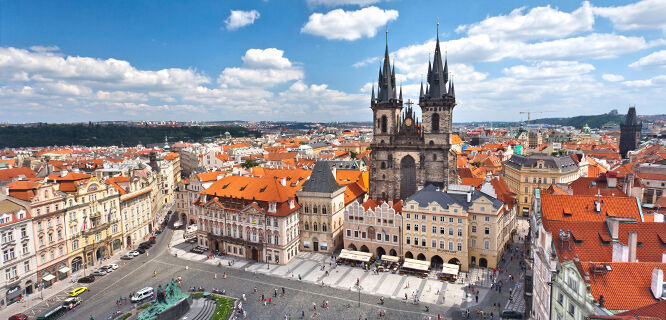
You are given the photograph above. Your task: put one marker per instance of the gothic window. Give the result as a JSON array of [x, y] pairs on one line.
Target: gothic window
[[384, 124], [383, 165], [435, 122], [431, 142], [307, 226], [434, 157], [323, 227], [314, 226], [306, 209], [314, 209], [323, 210]]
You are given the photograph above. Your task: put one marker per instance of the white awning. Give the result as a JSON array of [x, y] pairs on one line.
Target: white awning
[[416, 264], [355, 255], [48, 277], [64, 269], [390, 258], [450, 269]]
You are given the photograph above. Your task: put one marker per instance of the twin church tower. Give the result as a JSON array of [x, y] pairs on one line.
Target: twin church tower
[[408, 154]]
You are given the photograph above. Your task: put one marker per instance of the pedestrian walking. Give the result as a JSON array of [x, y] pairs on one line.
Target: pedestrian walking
[[262, 297], [215, 276], [264, 302], [270, 300], [314, 306], [275, 293], [477, 298], [255, 289], [282, 290]]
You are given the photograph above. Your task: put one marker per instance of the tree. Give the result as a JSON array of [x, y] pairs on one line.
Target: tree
[[353, 154], [249, 163]]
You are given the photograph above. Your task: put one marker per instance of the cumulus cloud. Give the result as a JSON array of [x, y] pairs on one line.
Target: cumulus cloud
[[348, 25], [654, 81], [239, 18], [612, 77], [548, 70], [653, 60], [646, 14], [537, 23], [261, 67], [337, 3]]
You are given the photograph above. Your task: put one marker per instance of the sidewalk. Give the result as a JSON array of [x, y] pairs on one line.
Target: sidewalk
[[38, 302]]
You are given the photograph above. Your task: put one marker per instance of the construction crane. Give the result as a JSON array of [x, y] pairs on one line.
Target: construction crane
[[529, 113]]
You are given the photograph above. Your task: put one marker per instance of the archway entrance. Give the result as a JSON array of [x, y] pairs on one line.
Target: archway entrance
[[76, 264], [407, 177], [128, 241], [454, 261], [116, 244], [352, 247], [255, 254], [315, 244], [393, 253], [436, 262], [409, 255], [183, 218], [473, 261], [421, 256], [483, 263], [380, 252], [28, 287], [100, 253], [364, 249]]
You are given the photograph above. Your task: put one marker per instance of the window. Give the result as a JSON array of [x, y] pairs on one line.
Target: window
[[474, 217], [416, 227], [416, 241], [407, 239], [323, 210], [560, 298], [423, 242], [276, 238], [450, 245], [363, 234], [442, 219], [355, 233], [486, 230], [23, 233], [460, 221], [434, 219], [486, 244], [572, 308], [409, 226], [441, 244], [423, 217], [423, 228], [459, 246], [573, 284], [450, 231], [75, 244], [379, 236], [473, 243], [43, 258], [395, 238], [450, 220], [486, 219], [442, 230], [434, 243], [348, 232], [26, 266], [474, 229], [386, 237]]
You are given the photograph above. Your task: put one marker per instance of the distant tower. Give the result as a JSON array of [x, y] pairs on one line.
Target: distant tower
[[166, 144], [630, 133]]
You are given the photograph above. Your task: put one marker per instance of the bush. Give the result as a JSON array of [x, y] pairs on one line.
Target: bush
[[223, 307], [143, 306], [125, 316]]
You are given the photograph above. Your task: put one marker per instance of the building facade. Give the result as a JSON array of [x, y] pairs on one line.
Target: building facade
[[18, 252], [322, 210], [459, 226], [376, 229], [407, 155], [524, 173]]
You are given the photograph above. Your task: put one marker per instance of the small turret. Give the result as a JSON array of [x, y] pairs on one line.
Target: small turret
[[421, 94]]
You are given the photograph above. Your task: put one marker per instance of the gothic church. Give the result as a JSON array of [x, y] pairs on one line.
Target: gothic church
[[407, 154]]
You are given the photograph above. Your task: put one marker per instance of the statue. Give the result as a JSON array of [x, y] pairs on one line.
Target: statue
[[164, 299]]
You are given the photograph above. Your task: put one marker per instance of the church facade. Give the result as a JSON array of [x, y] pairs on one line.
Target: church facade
[[408, 154]]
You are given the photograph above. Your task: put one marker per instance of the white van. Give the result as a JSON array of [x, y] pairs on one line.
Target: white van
[[142, 294]]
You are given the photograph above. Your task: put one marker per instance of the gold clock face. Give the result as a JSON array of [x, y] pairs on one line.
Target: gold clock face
[[408, 122]]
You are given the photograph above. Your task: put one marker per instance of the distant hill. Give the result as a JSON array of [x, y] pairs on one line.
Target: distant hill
[[594, 121], [107, 135]]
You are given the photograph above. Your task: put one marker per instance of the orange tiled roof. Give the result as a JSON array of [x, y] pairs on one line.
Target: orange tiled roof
[[263, 189], [234, 146], [654, 311], [171, 156], [455, 139], [618, 292], [24, 190], [582, 208], [210, 176], [353, 192], [9, 174], [593, 186], [475, 182], [280, 156]]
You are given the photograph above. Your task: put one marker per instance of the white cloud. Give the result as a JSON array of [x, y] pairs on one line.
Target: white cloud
[[612, 77], [654, 81], [337, 3], [653, 60], [593, 46], [537, 23], [261, 67], [646, 14], [44, 48], [239, 18], [548, 70], [348, 25]]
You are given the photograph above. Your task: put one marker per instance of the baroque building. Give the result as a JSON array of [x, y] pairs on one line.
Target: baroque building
[[407, 154]]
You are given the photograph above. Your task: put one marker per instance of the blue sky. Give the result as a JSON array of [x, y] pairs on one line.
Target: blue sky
[[315, 60]]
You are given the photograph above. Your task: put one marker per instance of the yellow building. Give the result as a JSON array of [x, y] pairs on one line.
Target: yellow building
[[524, 173], [460, 226]]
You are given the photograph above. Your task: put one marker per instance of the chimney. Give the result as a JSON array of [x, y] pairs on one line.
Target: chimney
[[620, 252], [611, 182], [334, 170], [657, 284], [63, 173], [283, 181], [613, 228], [633, 240], [663, 257], [658, 217]]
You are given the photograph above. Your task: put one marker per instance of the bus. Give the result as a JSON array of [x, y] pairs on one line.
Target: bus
[[54, 313]]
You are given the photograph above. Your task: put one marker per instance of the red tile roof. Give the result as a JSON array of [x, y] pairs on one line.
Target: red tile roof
[[582, 208], [9, 174]]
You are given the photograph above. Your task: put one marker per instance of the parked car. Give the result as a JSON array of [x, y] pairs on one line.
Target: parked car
[[197, 249], [141, 250], [134, 253], [142, 294], [511, 314], [77, 291], [145, 245], [86, 279], [152, 240], [99, 272], [106, 269], [127, 256], [19, 316], [113, 266], [71, 303]]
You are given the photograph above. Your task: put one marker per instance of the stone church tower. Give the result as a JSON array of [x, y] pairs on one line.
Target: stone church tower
[[407, 154], [630, 133]]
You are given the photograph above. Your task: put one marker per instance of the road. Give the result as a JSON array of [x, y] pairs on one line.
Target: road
[[100, 300]]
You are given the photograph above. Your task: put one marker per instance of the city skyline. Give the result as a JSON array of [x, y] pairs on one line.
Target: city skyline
[[316, 60]]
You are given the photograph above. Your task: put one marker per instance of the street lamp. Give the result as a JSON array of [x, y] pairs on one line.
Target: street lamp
[[359, 288]]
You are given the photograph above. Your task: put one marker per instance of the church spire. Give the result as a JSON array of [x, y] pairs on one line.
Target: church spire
[[437, 80], [421, 94], [372, 100], [400, 92], [386, 85]]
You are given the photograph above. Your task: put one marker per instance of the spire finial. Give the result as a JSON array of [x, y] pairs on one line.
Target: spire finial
[[437, 28], [387, 35]]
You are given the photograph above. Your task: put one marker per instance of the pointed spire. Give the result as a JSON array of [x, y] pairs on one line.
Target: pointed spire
[[446, 67], [401, 92], [436, 80], [421, 94], [452, 92], [386, 84], [373, 93]]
